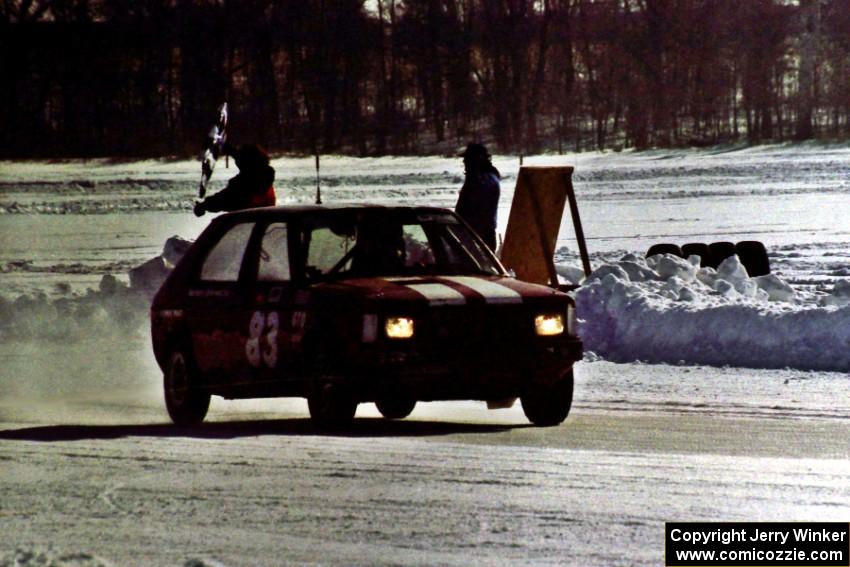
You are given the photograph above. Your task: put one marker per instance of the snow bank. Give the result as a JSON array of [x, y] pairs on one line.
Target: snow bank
[[112, 309], [49, 558], [23, 557], [668, 309], [149, 276]]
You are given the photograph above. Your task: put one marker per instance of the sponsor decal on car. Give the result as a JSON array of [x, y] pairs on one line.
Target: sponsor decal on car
[[299, 321], [209, 293]]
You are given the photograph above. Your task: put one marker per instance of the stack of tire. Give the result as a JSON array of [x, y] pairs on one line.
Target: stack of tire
[[751, 253]]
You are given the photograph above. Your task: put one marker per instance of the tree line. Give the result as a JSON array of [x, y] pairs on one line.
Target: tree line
[[371, 77]]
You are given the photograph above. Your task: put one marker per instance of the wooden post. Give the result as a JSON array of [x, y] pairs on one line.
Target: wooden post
[[318, 182], [582, 245]]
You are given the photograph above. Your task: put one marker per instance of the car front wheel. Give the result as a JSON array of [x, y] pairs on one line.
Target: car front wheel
[[186, 404], [331, 407], [395, 408], [546, 405]]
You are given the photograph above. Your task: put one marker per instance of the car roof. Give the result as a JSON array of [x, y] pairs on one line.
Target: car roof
[[305, 209]]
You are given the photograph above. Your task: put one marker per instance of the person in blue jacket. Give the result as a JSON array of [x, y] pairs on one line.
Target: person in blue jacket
[[479, 196]]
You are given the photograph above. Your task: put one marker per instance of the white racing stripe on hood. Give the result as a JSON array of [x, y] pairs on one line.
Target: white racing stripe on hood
[[493, 292], [438, 294]]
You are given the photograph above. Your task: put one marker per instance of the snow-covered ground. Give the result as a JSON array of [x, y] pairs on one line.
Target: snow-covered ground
[[249, 494], [703, 396]]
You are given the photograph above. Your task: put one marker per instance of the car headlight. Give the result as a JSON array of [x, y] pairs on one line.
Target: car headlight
[[399, 327], [549, 324]]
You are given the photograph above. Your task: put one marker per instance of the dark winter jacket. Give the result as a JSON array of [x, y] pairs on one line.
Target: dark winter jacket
[[252, 188], [478, 202]]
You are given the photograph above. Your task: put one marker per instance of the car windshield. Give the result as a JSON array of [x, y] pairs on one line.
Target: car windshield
[[392, 243]]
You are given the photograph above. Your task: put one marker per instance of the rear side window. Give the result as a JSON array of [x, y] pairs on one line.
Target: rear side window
[[274, 254], [224, 260]]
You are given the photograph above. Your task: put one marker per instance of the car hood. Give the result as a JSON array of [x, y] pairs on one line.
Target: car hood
[[442, 290]]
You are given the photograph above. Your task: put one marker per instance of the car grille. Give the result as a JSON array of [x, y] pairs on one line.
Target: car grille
[[464, 330]]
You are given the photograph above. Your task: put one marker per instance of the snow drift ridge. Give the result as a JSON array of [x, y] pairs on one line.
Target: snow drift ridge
[[667, 309]]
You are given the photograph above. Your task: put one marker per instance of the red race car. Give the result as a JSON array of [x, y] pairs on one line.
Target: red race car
[[346, 304]]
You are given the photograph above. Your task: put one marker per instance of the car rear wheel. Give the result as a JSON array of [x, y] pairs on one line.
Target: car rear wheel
[[186, 404], [395, 408], [546, 405], [331, 407]]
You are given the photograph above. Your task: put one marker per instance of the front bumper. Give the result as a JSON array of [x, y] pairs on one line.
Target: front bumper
[[487, 374]]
